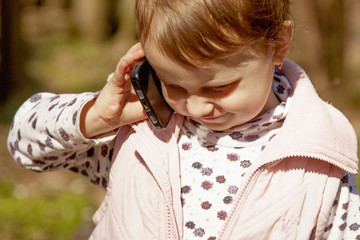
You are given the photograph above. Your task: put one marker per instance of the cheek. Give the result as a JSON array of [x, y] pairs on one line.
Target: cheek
[[176, 101], [247, 100]]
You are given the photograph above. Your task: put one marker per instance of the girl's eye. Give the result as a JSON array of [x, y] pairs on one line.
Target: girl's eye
[[223, 89], [172, 87]]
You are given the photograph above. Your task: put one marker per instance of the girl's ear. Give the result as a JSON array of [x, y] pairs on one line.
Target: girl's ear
[[282, 47]]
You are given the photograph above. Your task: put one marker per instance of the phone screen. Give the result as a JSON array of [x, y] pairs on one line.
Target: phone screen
[[148, 89]]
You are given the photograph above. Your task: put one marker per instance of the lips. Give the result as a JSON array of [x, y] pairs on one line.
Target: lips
[[210, 118]]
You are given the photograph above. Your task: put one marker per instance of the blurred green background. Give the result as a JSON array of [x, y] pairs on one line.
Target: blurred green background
[[72, 45]]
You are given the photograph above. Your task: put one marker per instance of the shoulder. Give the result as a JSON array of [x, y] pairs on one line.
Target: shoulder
[[316, 126]]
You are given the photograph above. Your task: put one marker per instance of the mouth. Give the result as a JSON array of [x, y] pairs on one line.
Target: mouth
[[210, 118]]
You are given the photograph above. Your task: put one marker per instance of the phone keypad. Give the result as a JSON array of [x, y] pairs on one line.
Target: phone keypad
[[153, 119], [146, 107], [140, 94]]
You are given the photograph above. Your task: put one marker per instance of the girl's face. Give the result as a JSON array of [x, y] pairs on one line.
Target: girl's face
[[221, 95]]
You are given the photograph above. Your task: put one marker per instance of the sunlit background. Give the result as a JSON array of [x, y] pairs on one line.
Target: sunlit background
[[72, 45]]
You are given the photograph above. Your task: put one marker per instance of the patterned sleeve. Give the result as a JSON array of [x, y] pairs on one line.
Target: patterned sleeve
[[344, 222], [45, 136]]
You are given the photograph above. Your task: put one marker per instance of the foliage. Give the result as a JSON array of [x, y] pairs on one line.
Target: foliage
[[44, 217]]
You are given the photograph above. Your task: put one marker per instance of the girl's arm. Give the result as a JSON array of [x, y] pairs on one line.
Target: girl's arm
[[344, 221], [45, 135], [76, 131]]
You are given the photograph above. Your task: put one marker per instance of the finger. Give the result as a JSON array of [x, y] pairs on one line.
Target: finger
[[119, 76], [136, 49], [126, 63], [135, 53]]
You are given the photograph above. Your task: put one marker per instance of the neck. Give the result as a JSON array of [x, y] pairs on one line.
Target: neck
[[271, 102]]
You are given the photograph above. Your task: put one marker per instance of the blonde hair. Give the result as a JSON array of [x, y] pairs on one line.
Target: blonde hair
[[200, 31]]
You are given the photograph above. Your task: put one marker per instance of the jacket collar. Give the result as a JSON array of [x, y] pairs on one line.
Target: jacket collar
[[313, 128]]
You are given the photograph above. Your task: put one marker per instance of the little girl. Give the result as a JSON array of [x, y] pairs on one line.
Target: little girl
[[251, 152]]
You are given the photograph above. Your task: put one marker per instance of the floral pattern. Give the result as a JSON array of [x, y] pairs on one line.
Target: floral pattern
[[344, 222]]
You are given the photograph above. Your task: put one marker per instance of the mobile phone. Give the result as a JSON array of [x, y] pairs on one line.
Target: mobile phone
[[148, 90]]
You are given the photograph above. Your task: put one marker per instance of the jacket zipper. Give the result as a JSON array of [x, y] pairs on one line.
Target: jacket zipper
[[171, 227], [168, 223], [240, 200]]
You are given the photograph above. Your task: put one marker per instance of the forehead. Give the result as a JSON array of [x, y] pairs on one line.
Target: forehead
[[217, 71]]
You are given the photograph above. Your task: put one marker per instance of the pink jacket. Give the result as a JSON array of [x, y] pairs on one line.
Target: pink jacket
[[288, 194]]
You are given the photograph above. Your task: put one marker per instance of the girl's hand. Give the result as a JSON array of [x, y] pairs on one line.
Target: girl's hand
[[117, 103]]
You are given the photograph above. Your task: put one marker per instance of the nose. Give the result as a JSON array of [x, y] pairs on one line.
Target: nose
[[198, 106]]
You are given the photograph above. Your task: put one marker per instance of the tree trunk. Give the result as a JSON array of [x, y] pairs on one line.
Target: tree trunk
[[330, 16], [127, 24], [94, 18], [10, 47]]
